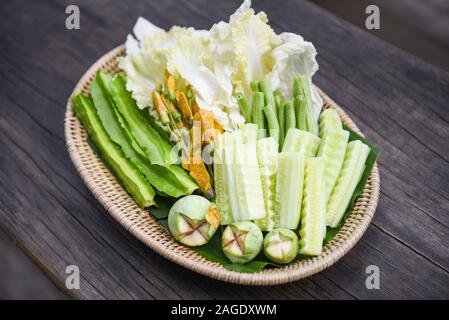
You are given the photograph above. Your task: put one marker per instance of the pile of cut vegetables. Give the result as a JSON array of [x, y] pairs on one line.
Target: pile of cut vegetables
[[222, 133]]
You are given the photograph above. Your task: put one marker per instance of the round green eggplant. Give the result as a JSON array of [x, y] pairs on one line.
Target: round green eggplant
[[188, 220], [242, 241], [281, 245]]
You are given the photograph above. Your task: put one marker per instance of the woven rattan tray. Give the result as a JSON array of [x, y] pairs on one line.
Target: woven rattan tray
[[146, 228]]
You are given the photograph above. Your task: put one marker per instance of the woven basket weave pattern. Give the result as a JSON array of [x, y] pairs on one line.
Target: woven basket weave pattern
[[145, 227]]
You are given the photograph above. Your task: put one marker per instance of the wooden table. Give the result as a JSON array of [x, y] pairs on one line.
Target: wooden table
[[399, 102]]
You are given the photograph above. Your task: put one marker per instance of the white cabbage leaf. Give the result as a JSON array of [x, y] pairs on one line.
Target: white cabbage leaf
[[190, 59], [294, 56], [144, 64], [218, 62], [252, 39]]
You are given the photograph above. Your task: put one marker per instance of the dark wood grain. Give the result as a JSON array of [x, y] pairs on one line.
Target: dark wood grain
[[399, 102], [418, 27]]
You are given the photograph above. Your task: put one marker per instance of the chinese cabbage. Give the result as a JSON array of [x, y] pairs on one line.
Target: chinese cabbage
[[292, 57]]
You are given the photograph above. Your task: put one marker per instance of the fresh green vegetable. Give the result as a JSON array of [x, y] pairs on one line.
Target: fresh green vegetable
[[221, 194], [281, 245], [304, 84], [297, 87], [163, 179], [212, 251], [248, 186], [242, 241], [258, 114], [241, 178], [313, 215], [268, 94], [236, 137], [164, 205], [154, 121], [280, 107], [290, 119], [199, 66], [312, 123], [150, 141], [273, 125], [136, 184], [301, 141], [192, 220], [300, 112], [353, 167], [267, 156], [238, 188], [103, 104], [249, 133], [269, 110], [145, 137], [244, 106], [289, 189], [370, 162], [278, 97], [184, 180], [229, 158], [255, 86], [332, 149], [281, 117], [329, 118]]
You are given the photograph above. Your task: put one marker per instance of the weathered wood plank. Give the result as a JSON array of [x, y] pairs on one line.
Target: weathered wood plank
[[398, 101], [416, 26]]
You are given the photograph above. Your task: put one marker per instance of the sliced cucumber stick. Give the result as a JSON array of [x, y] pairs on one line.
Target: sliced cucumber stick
[[313, 213], [332, 149], [248, 184], [249, 132], [241, 178], [329, 118], [301, 141], [351, 172], [221, 194], [230, 183], [267, 156], [289, 189]]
